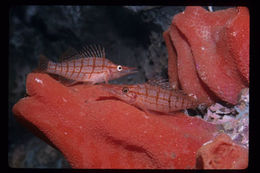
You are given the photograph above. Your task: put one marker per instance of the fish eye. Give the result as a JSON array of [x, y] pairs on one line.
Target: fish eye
[[125, 90], [119, 68]]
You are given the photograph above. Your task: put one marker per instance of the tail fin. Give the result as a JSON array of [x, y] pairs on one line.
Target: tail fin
[[43, 64]]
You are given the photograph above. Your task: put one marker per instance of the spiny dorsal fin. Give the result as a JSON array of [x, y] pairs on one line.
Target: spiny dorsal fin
[[93, 51], [161, 82], [86, 51], [43, 63], [69, 54], [165, 84]]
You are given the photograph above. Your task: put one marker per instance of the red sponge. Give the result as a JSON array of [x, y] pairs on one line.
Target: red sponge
[[104, 133]]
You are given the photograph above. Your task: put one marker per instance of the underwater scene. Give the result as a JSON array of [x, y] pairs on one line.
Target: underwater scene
[[128, 87]]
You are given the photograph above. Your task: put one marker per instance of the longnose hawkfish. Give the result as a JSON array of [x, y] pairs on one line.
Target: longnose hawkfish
[[88, 65], [150, 97]]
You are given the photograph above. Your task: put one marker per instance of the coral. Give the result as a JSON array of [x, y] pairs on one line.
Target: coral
[[238, 128], [235, 120], [222, 153], [93, 130], [212, 52]]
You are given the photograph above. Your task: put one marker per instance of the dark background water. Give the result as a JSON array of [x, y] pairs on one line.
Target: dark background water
[[131, 35]]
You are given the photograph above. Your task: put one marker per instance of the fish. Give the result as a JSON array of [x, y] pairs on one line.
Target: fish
[[153, 97], [88, 65]]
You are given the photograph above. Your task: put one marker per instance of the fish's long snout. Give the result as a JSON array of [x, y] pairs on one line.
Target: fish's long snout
[[122, 71], [130, 70]]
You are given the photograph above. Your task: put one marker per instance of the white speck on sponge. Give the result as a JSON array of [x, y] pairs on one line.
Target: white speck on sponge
[[38, 81], [146, 117], [234, 34], [208, 142], [64, 99]]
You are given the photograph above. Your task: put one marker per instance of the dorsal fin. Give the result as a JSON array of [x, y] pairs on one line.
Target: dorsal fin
[[161, 82], [93, 51], [86, 51], [42, 64], [69, 54]]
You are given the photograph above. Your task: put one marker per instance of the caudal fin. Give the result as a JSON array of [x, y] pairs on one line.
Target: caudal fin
[[42, 65]]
